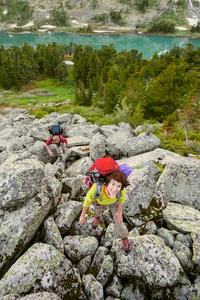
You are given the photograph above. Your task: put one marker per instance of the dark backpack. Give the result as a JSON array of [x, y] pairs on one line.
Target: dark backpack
[[55, 129], [97, 173]]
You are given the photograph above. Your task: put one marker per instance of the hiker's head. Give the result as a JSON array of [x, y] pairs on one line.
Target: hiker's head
[[117, 176], [56, 139]]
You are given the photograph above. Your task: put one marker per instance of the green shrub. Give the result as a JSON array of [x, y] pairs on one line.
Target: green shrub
[[116, 17], [195, 28], [94, 4], [142, 5], [41, 112], [163, 26], [20, 11], [59, 17], [125, 1], [102, 18], [174, 146], [85, 29]]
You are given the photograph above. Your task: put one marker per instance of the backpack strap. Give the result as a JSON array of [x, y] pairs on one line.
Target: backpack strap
[[97, 194], [119, 194]]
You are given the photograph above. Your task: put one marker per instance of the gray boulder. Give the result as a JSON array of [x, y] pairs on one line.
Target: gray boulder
[[196, 248], [93, 288], [78, 141], [66, 214], [84, 264], [98, 260], [97, 146], [42, 269], [140, 191], [106, 270], [149, 260], [182, 218], [52, 235], [180, 182], [144, 142], [115, 288], [18, 227], [184, 255], [20, 179], [77, 247], [86, 130], [81, 166]]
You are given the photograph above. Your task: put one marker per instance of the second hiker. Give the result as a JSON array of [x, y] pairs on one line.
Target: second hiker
[[56, 144], [113, 195]]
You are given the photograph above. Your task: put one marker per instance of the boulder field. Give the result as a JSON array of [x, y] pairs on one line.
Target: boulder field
[[45, 253]]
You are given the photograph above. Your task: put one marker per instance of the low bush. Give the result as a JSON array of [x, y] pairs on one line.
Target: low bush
[[163, 26]]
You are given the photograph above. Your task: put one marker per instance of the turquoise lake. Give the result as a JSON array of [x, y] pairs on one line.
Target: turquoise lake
[[148, 45]]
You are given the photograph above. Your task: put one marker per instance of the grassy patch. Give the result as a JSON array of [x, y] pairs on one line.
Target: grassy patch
[[28, 97]]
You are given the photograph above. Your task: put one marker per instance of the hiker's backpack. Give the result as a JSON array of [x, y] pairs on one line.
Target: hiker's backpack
[[97, 173], [55, 129]]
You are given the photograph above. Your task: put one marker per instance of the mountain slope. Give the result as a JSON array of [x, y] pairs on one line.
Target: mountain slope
[[123, 14]]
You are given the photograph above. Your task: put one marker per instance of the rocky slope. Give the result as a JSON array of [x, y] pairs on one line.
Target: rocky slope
[[45, 253], [81, 12]]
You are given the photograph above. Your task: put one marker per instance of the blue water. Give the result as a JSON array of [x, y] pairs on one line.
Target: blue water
[[148, 45]]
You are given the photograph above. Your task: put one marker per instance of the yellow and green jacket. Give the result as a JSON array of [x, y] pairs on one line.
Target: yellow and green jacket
[[105, 199]]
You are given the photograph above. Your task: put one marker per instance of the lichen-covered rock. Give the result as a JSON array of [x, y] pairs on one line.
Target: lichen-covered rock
[[52, 235], [81, 166], [167, 236], [184, 239], [144, 142], [93, 288], [106, 270], [66, 214], [84, 264], [42, 268], [86, 228], [40, 150], [140, 160], [11, 297], [78, 141], [20, 179], [41, 296], [133, 291], [77, 247], [196, 289], [185, 219], [181, 292], [184, 255], [196, 248], [18, 227], [148, 260], [98, 260], [116, 146], [76, 185], [97, 147], [88, 130], [115, 288], [140, 192], [180, 182]]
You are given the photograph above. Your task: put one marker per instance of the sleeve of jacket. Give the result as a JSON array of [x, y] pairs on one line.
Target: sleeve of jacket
[[90, 196]]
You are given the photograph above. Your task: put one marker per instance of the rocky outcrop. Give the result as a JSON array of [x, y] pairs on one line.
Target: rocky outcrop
[[46, 253]]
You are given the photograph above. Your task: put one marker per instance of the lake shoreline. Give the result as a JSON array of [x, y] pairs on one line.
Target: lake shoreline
[[101, 30]]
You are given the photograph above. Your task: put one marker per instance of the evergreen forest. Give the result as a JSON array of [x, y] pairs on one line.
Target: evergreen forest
[[122, 86]]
